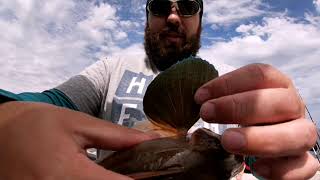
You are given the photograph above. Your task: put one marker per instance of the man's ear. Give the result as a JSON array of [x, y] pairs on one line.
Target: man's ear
[[199, 30], [148, 18]]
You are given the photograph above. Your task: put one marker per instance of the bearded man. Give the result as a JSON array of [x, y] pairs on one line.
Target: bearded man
[[44, 141]]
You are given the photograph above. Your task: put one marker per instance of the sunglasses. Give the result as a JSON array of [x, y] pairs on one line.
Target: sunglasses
[[185, 8]]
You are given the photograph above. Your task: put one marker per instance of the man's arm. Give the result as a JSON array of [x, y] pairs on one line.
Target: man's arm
[[53, 96], [85, 92], [40, 141]]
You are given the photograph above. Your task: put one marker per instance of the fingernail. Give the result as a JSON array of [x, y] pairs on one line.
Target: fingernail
[[202, 95], [262, 170], [233, 140], [208, 112]]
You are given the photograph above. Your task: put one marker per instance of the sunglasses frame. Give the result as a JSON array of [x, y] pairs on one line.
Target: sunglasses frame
[[175, 4]]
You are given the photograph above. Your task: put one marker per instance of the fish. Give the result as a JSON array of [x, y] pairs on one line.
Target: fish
[[171, 111]]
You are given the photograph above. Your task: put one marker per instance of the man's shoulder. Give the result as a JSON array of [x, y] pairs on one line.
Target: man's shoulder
[[126, 59], [134, 62], [116, 62]]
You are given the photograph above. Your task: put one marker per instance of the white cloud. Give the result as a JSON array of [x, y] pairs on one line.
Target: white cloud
[[277, 40], [120, 35], [129, 24], [287, 44], [44, 42], [100, 20], [225, 12], [314, 20], [133, 50]]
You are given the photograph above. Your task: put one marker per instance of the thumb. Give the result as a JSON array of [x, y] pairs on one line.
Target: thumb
[[105, 135]]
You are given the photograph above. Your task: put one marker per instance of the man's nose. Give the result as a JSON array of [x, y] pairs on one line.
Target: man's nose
[[174, 17]]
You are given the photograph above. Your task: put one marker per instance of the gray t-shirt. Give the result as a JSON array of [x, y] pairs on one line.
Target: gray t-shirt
[[113, 90]]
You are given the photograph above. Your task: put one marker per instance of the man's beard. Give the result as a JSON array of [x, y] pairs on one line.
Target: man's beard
[[163, 54]]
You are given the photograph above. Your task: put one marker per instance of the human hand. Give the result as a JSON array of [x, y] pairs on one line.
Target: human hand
[[274, 128], [41, 142]]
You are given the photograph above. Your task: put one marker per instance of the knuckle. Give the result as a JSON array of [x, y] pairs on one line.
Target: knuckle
[[309, 167], [297, 108], [239, 110], [261, 71], [300, 107], [310, 136], [266, 73], [234, 104], [289, 81], [264, 67], [226, 85]]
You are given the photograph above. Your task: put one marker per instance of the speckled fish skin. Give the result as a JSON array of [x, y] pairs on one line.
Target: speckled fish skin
[[202, 157]]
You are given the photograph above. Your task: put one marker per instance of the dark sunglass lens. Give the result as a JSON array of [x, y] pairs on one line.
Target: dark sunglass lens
[[188, 8], [160, 7]]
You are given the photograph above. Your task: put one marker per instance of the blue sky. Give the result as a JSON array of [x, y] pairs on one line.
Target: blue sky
[[43, 43]]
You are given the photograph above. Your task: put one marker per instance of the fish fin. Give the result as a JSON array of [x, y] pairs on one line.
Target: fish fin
[[154, 174], [169, 98]]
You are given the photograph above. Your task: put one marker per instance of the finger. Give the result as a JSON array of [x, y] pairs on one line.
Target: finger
[[86, 169], [263, 141], [251, 77], [105, 135], [254, 107], [304, 166]]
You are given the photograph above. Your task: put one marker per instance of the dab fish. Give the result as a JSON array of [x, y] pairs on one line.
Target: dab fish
[[170, 107]]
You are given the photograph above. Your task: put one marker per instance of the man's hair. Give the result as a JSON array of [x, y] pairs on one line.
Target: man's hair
[[199, 1]]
